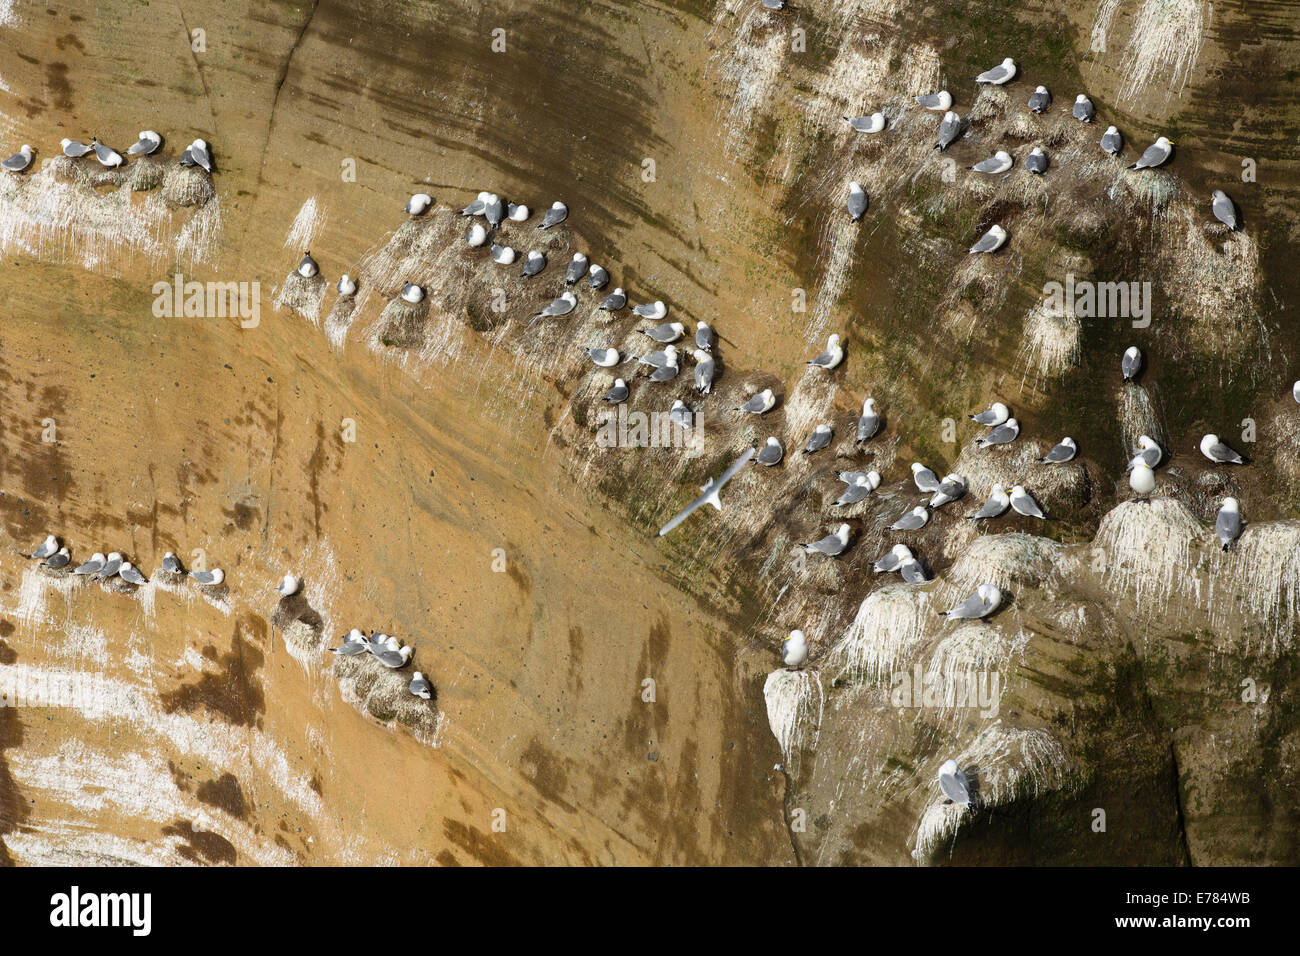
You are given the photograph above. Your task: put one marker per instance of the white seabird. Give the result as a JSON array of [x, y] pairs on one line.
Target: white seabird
[[1001, 435], [914, 520], [517, 213], [654, 310], [605, 358], [477, 205], [494, 211], [926, 480], [503, 255], [92, 566], [59, 559], [857, 201], [950, 130], [936, 101], [867, 124], [129, 573], [1141, 478], [982, 603], [19, 160], [617, 395], [833, 545], [418, 204], [1295, 391], [859, 488], [46, 548], [420, 686], [598, 278], [1224, 210], [1063, 451], [1112, 141], [892, 559], [476, 235], [998, 502], [289, 585], [794, 649], [704, 336], [831, 357], [1151, 452], [819, 439], [703, 371], [1218, 452], [771, 453], [533, 264], [667, 371], [199, 155], [1157, 154], [347, 285], [950, 488], [106, 155], [660, 358], [1037, 162], [1003, 73], [555, 215], [614, 301], [681, 415], [999, 162], [991, 241], [565, 304], [995, 415], [209, 578], [1040, 100], [1023, 503], [955, 785], [758, 404], [869, 422], [412, 293], [112, 564], [1131, 363], [307, 268], [913, 571], [172, 564], [74, 149], [1228, 523], [577, 269], [1083, 110], [710, 491], [668, 332], [394, 658], [355, 643]]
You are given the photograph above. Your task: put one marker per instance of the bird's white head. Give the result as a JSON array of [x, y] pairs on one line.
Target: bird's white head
[[1081, 98], [1230, 504]]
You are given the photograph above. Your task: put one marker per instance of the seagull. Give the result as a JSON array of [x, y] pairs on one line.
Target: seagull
[[999, 501], [517, 213], [347, 286], [1141, 478], [679, 414], [1023, 503], [92, 566], [131, 574], [565, 304], [833, 545], [913, 572], [534, 264], [392, 657], [59, 559], [759, 404], [307, 268], [412, 293], [1218, 452], [420, 686], [1228, 524], [1155, 155], [1084, 111], [1040, 100], [997, 414], [605, 358], [926, 480], [172, 564], [209, 578], [893, 559], [75, 150], [950, 489], [982, 603], [112, 564], [614, 301], [774, 4], [1131, 364], [913, 520], [555, 215], [955, 785], [1002, 435], [710, 491], [1295, 391], [858, 489], [476, 207], [869, 422], [820, 438], [503, 255], [831, 357], [618, 394], [703, 371], [1224, 210], [598, 278], [475, 235], [19, 160], [794, 649], [668, 332], [857, 201], [991, 241], [867, 124], [950, 130], [704, 336], [355, 643], [199, 155], [494, 210], [656, 310], [577, 269], [106, 155], [660, 358], [666, 372], [1151, 452], [1037, 162], [289, 585], [418, 204], [46, 548], [1001, 74], [1111, 141], [1064, 451], [999, 162], [936, 101], [146, 145], [771, 453]]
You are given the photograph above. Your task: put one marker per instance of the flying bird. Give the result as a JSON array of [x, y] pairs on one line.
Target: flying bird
[[710, 491]]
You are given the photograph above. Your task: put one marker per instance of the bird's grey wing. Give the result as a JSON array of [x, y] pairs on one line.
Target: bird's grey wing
[[857, 205], [725, 477], [953, 789], [969, 607], [999, 435], [1221, 451], [1225, 212], [987, 510], [1151, 156], [823, 359], [1228, 525], [986, 243]]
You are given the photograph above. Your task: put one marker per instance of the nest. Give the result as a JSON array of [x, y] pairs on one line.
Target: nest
[[384, 693], [402, 324], [303, 295], [795, 702], [187, 186], [890, 626]]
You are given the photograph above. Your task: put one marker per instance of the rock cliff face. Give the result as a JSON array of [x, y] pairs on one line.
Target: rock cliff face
[[435, 471]]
